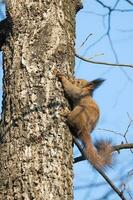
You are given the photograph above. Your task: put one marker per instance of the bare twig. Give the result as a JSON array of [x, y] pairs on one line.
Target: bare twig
[[129, 2], [124, 135], [102, 4], [129, 125], [96, 55], [120, 194], [122, 146], [85, 40], [103, 63], [124, 184], [108, 130]]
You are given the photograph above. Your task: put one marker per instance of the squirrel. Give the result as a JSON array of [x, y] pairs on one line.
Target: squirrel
[[84, 117]]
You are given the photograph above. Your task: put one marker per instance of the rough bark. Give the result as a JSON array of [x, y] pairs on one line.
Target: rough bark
[[36, 150]]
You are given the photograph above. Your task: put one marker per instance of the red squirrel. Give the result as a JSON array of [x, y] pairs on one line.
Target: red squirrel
[[83, 118]]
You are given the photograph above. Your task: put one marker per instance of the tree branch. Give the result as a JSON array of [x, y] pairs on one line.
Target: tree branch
[[122, 146], [102, 63], [120, 194], [115, 148], [129, 2]]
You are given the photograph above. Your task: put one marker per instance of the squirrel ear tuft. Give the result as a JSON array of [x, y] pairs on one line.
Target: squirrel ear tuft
[[96, 83]]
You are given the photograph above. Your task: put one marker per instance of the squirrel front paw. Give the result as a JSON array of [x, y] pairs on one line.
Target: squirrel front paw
[[57, 73], [65, 112]]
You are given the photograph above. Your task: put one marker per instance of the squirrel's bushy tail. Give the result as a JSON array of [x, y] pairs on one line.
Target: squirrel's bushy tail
[[100, 155], [104, 149]]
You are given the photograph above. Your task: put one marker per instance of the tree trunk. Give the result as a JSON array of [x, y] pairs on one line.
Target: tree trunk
[[36, 150]]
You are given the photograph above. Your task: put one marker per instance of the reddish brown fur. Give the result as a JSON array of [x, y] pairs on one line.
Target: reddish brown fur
[[83, 119]]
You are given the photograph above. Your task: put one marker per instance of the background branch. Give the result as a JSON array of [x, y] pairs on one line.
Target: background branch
[[115, 148], [120, 194], [103, 63]]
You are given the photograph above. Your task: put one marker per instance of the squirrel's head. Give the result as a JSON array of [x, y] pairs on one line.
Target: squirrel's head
[[88, 86], [92, 84], [80, 83]]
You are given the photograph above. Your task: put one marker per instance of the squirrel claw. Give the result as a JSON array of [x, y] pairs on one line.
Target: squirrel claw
[[64, 112], [56, 72]]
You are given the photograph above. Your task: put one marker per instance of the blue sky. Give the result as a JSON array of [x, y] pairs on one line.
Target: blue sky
[[2, 15], [114, 97]]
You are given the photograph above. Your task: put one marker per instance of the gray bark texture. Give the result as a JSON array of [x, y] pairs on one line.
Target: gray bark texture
[[36, 150]]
